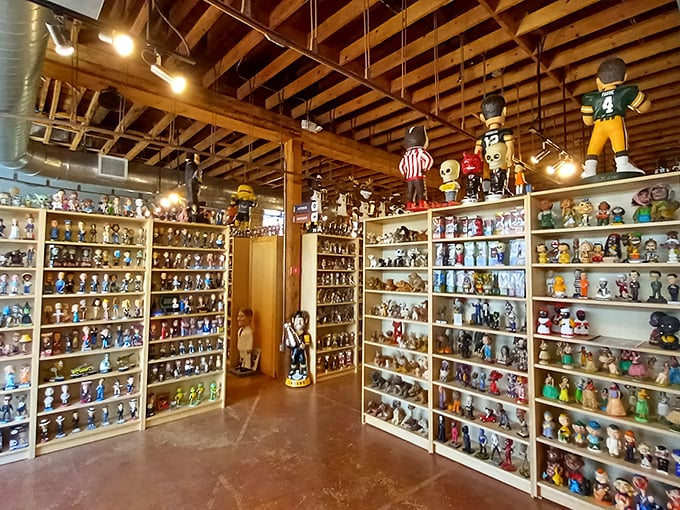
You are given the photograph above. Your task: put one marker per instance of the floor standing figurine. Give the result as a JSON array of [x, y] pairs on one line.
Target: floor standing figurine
[[413, 166], [245, 339], [297, 338], [493, 115], [605, 110]]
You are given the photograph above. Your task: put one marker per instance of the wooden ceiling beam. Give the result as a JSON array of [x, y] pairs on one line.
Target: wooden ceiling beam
[[446, 32], [208, 141], [227, 169], [186, 135], [244, 141], [617, 39], [202, 25], [552, 12], [278, 15], [133, 113], [326, 29], [54, 105], [601, 20], [44, 91], [356, 49], [91, 109], [154, 132]]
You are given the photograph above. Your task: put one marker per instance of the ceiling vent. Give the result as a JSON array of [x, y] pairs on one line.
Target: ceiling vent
[[112, 167]]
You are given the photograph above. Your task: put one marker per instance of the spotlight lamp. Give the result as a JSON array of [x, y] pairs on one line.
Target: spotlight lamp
[[177, 83], [122, 43], [536, 159], [62, 43]]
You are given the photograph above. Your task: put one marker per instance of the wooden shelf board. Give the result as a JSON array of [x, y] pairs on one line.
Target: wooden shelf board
[[92, 377], [486, 467], [215, 374], [493, 427], [422, 407], [186, 337], [603, 458], [394, 319], [411, 437], [606, 229], [111, 322], [602, 376], [481, 394], [473, 362], [184, 411], [87, 436], [185, 356], [478, 296], [124, 397], [468, 327], [394, 346], [492, 237], [422, 381], [607, 302], [77, 354], [627, 421]]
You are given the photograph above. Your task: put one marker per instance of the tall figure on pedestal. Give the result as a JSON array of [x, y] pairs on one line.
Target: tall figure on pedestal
[[493, 115], [413, 166], [605, 109], [298, 339]]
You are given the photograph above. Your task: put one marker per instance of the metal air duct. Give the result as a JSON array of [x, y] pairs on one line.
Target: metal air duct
[[23, 40], [53, 162]]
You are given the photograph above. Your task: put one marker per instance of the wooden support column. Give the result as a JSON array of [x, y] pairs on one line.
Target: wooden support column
[[292, 246]]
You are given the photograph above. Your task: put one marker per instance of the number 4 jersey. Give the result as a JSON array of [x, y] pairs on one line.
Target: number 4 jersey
[[612, 103]]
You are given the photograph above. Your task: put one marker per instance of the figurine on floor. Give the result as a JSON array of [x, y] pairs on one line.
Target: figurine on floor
[[605, 110], [298, 339], [493, 115], [413, 166], [245, 339]]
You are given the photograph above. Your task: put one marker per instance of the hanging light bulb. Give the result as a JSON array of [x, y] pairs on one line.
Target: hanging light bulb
[[178, 83], [567, 169], [536, 159], [552, 169], [122, 43], [62, 45]]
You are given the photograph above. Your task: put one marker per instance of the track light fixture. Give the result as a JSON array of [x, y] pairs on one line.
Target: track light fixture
[[122, 43], [536, 159], [177, 83], [62, 44]]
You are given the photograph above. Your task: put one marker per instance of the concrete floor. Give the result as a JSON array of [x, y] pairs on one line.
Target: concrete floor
[[271, 448]]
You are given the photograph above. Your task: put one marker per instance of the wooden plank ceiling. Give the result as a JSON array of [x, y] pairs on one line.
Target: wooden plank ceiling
[[248, 93]]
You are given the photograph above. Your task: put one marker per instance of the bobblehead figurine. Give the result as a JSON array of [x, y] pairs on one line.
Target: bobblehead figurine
[[413, 166], [493, 115], [245, 200], [605, 110], [297, 338], [245, 339], [449, 172]]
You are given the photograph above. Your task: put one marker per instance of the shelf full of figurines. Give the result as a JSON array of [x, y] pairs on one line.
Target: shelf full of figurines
[[171, 366], [94, 311], [648, 408], [399, 338], [505, 225], [87, 366], [627, 249], [116, 259], [567, 470], [635, 288], [399, 413], [481, 254], [19, 241], [484, 318], [69, 231], [402, 311], [651, 206], [58, 284], [490, 445], [190, 261], [96, 418], [577, 439], [413, 284], [187, 283], [402, 235], [488, 382], [192, 237], [182, 398]]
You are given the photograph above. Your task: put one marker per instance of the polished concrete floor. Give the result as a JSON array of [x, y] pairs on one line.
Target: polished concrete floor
[[271, 448]]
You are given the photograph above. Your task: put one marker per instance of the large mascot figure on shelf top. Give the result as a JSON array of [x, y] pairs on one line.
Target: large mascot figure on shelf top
[[493, 115], [605, 109], [245, 200], [414, 166]]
